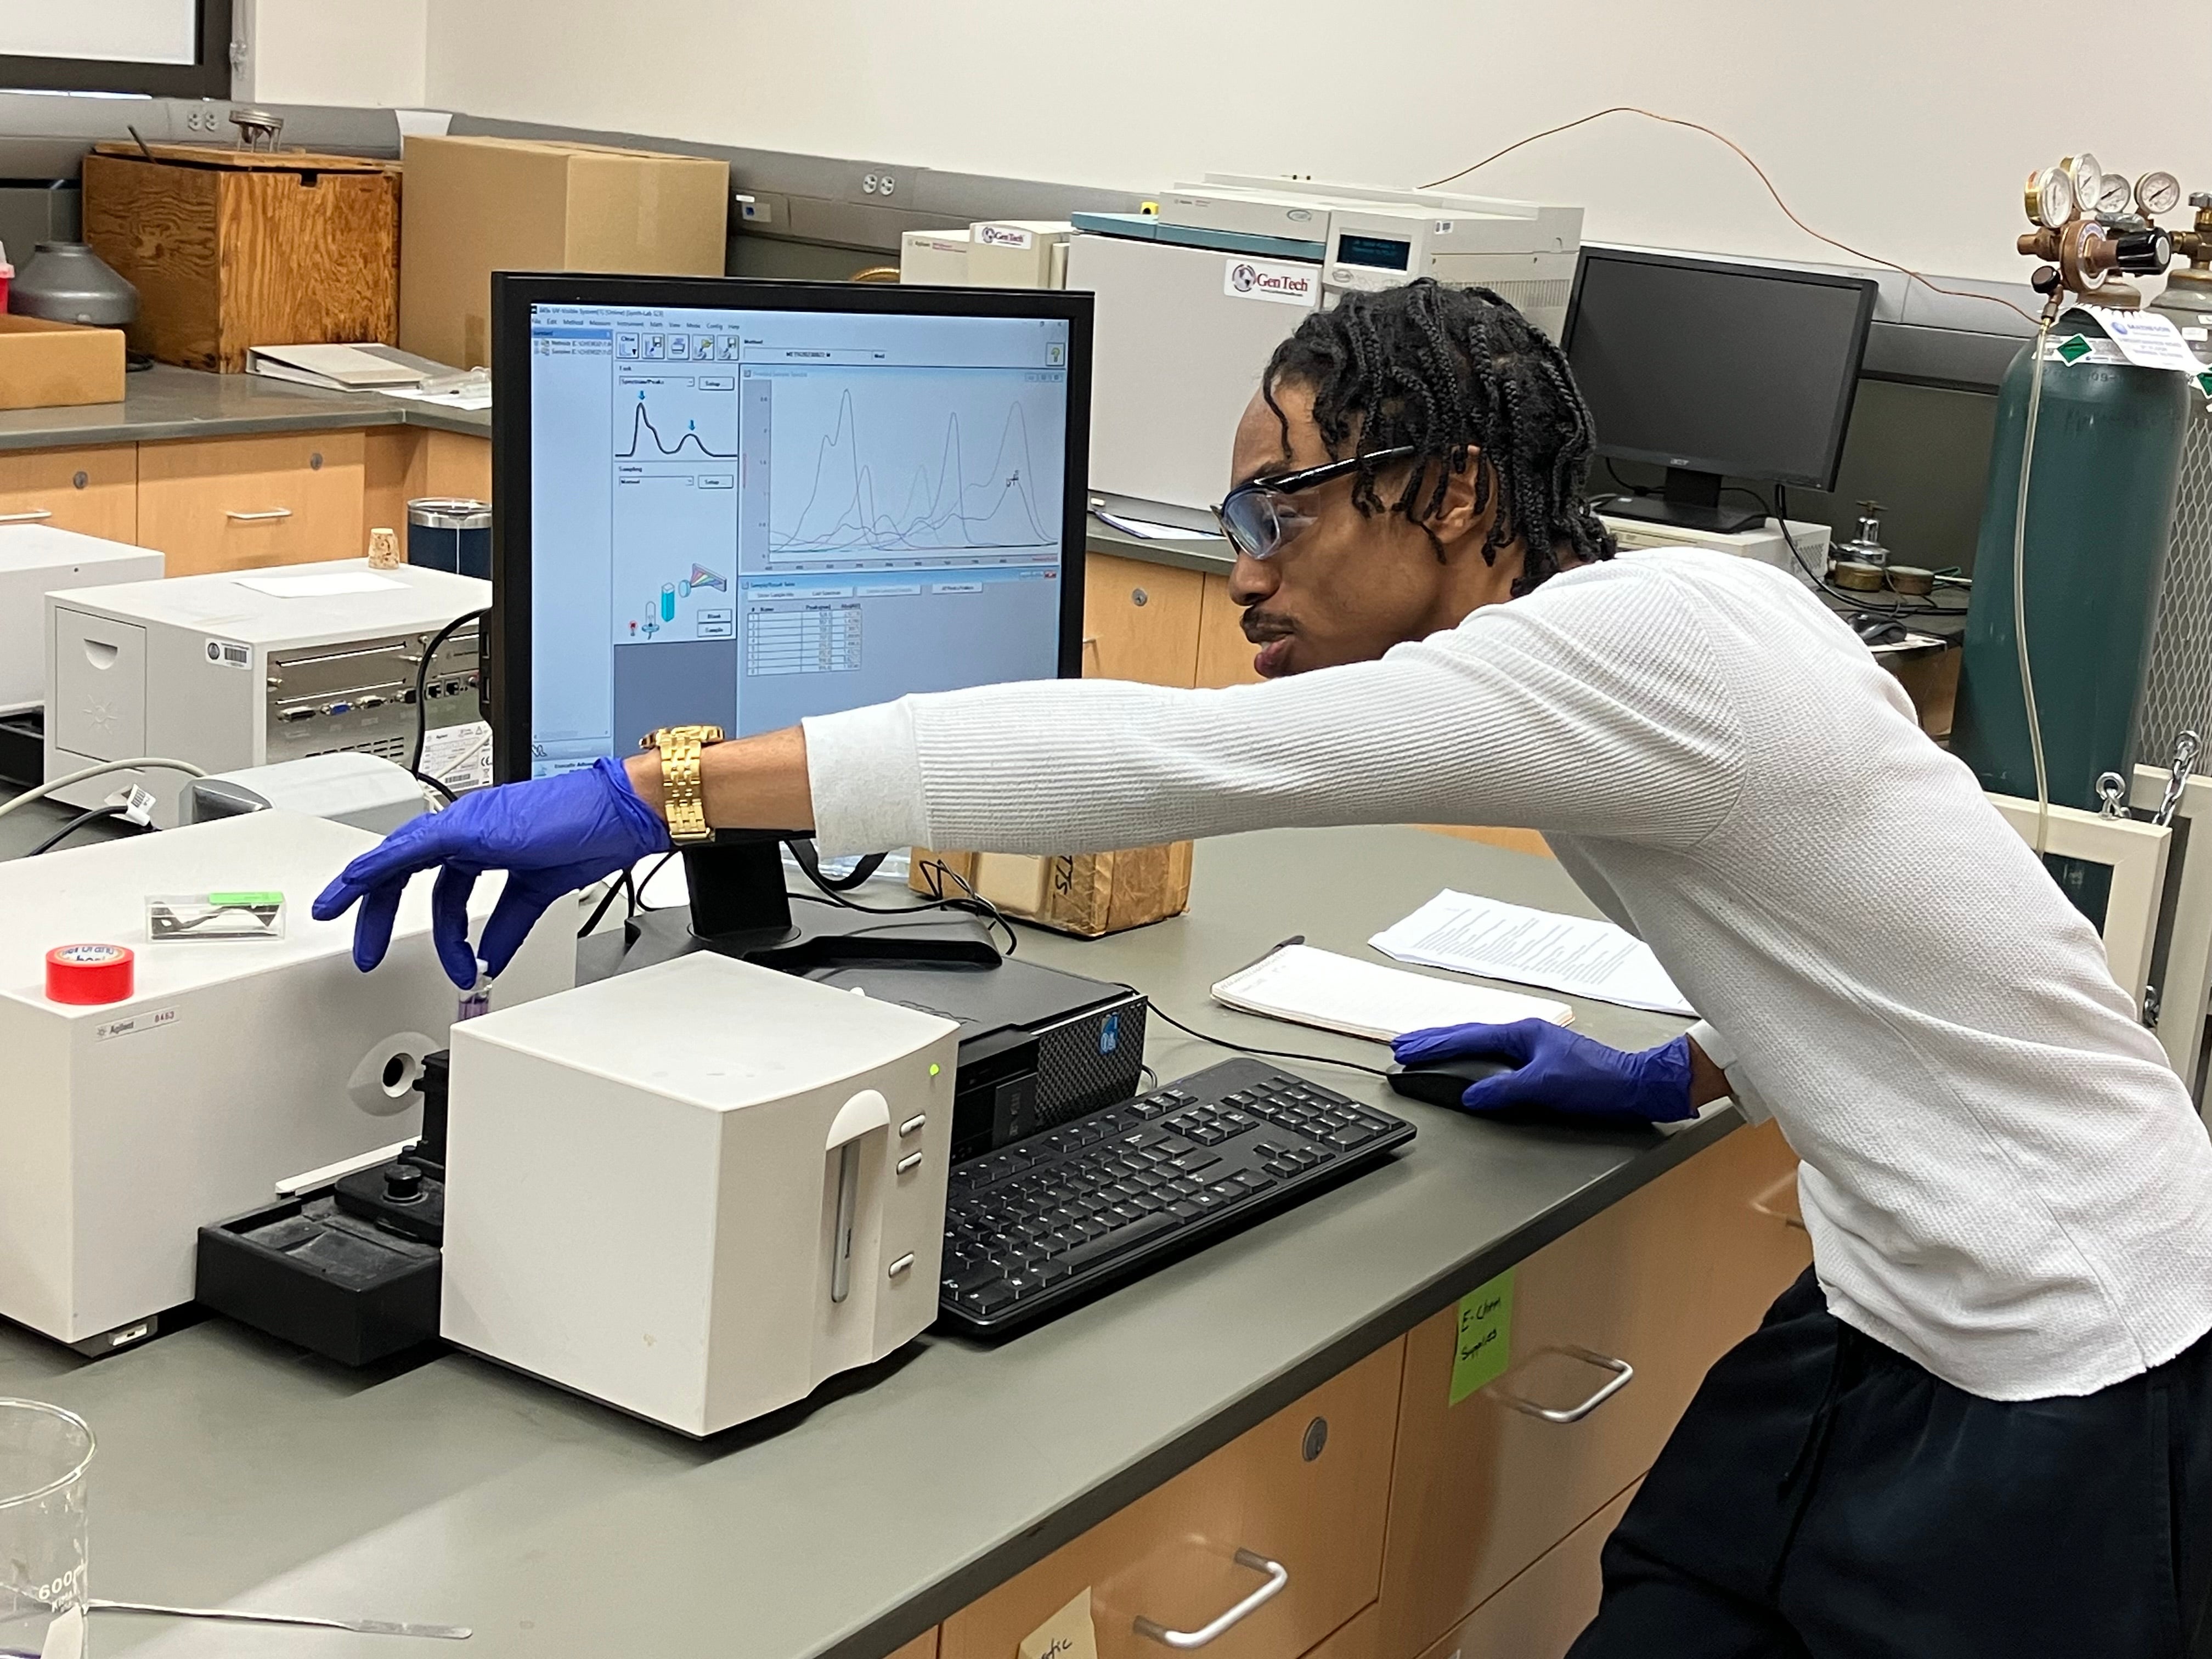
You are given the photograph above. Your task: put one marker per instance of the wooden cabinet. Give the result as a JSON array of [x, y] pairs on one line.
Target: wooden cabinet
[[1539, 1614], [92, 491], [404, 464], [1513, 841], [241, 503], [922, 1647], [1224, 655], [1357, 1640], [1304, 1493], [1666, 1280], [1140, 621]]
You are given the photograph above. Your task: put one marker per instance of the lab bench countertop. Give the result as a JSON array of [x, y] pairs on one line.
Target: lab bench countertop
[[162, 404], [234, 1469]]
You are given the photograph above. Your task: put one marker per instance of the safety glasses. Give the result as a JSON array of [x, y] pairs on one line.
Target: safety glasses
[[1259, 516]]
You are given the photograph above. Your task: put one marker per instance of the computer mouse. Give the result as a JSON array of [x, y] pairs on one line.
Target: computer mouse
[[1874, 629], [1443, 1082]]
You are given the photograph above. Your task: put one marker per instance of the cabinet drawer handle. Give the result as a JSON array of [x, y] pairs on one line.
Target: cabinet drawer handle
[[1278, 1576], [253, 518], [1623, 1374], [31, 516]]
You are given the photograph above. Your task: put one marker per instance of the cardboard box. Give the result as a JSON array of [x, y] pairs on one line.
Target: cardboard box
[[231, 249], [1086, 894], [478, 205], [43, 364]]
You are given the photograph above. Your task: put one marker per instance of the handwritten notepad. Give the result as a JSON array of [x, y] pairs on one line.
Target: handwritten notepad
[[1496, 940], [1309, 987]]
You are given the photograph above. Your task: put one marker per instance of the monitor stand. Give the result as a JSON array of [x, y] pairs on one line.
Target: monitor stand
[[1690, 501], [740, 907]]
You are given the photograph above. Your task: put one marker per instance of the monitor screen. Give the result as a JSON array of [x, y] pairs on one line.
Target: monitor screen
[[790, 501], [1748, 371]]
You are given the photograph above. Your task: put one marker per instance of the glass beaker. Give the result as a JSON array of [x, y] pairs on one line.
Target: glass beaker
[[43, 1453]]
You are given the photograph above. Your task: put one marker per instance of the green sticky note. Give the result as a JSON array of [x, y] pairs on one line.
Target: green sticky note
[[245, 898], [2074, 348], [1486, 1336]]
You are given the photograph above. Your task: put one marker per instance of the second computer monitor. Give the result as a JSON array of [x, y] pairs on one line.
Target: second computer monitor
[[1713, 369], [741, 503]]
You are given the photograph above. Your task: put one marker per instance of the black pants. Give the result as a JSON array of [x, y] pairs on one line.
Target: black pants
[[1825, 1498]]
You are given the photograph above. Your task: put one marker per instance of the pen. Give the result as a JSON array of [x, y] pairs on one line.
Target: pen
[[1295, 939]]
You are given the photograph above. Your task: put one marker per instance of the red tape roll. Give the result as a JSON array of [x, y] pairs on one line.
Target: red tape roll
[[89, 973]]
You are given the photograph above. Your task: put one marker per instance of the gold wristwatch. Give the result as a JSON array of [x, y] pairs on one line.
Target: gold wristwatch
[[682, 801]]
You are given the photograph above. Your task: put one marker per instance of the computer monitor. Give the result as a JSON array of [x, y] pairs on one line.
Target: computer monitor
[[739, 502], [1710, 368]]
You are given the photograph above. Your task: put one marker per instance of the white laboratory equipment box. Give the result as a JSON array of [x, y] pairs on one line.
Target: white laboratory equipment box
[[35, 559], [695, 1191], [232, 1065], [1193, 300], [251, 667]]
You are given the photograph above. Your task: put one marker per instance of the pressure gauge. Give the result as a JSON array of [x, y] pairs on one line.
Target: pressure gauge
[[2114, 194], [2086, 176], [2050, 197], [2157, 193]]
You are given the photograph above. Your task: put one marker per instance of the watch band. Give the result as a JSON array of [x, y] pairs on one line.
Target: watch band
[[682, 800]]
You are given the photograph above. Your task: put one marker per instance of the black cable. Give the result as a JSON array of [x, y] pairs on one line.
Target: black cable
[[637, 888], [802, 848], [606, 903], [1269, 1053], [72, 827], [974, 904], [958, 906], [421, 696], [933, 870], [1779, 512]]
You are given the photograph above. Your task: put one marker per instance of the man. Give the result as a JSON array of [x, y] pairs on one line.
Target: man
[[1980, 1426]]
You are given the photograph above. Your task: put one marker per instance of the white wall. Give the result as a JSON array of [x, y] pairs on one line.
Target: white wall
[[336, 52], [1904, 126]]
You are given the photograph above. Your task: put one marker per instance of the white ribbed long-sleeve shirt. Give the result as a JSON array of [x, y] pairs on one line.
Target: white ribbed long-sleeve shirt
[[2002, 1177]]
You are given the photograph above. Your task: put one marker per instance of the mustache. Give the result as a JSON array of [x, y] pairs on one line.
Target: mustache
[[1261, 626]]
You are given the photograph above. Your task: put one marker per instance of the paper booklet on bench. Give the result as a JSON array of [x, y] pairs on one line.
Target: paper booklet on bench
[[1310, 987]]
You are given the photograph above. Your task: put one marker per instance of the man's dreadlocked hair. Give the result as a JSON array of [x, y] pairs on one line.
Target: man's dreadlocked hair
[[1451, 371]]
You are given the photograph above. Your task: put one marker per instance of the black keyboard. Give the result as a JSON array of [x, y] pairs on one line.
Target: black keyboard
[[1038, 1226]]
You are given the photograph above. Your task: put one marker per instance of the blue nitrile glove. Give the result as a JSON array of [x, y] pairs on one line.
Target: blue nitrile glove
[[1559, 1070], [551, 835]]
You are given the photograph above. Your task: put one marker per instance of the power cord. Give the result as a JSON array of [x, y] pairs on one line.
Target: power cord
[[970, 903], [1779, 512], [135, 763], [616, 889], [1267, 1053], [72, 827], [629, 885], [422, 693], [1744, 155], [637, 888]]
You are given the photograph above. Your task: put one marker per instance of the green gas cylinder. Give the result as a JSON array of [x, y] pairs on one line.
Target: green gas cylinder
[[2099, 516]]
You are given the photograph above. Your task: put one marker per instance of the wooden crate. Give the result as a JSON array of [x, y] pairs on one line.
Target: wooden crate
[[233, 248]]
